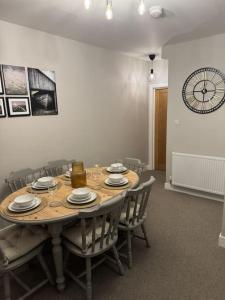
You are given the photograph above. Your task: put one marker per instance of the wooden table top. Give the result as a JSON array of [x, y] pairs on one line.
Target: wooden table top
[[51, 214]]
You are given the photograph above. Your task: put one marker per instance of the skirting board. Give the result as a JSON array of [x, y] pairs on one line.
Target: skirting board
[[170, 187], [221, 241]]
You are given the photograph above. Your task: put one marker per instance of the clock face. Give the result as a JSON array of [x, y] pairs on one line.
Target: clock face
[[204, 90]]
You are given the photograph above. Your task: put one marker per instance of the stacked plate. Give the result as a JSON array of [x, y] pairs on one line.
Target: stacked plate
[[44, 183], [116, 168], [116, 180], [24, 203], [81, 196], [68, 173]]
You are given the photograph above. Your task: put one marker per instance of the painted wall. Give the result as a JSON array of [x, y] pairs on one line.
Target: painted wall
[[102, 100], [194, 133]]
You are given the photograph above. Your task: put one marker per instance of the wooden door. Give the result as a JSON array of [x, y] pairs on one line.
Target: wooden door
[[161, 96]]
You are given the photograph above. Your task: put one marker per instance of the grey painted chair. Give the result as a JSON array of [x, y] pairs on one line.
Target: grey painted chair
[[133, 164], [18, 245], [58, 167], [133, 216], [19, 179], [96, 233]]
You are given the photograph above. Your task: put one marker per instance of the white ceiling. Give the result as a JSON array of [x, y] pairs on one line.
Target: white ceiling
[[127, 32]]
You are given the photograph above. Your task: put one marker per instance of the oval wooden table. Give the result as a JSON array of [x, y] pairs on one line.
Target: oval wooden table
[[54, 214]]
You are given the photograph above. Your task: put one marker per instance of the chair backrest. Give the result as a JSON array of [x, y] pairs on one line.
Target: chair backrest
[[134, 164], [101, 225], [136, 202], [20, 179], [58, 167]]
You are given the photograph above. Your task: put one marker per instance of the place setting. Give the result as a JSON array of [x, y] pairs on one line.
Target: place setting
[[43, 185], [116, 181], [25, 204], [81, 198], [116, 168]]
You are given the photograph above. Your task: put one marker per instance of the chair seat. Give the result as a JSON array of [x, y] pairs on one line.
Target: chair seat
[[74, 234], [17, 241]]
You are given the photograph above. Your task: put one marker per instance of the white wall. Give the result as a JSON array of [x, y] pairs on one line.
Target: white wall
[[196, 134], [102, 99]]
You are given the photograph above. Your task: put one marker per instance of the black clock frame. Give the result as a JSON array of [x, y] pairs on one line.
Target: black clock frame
[[209, 69]]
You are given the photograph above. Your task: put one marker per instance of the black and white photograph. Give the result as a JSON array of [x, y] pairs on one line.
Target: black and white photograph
[[18, 106], [15, 80], [2, 108], [42, 92], [1, 83]]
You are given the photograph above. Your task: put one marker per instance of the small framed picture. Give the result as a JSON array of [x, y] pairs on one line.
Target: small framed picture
[[2, 108], [18, 106], [1, 83]]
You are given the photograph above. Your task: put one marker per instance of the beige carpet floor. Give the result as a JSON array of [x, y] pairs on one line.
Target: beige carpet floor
[[184, 262]]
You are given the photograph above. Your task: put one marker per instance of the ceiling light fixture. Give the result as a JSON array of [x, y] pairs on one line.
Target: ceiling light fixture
[[152, 75], [87, 4], [109, 11], [141, 7]]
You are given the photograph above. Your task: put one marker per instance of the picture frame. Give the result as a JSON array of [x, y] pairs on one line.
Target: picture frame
[[18, 106], [43, 96], [1, 83], [15, 80], [2, 108]]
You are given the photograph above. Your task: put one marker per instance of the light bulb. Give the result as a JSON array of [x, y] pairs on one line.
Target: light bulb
[[152, 75], [87, 4], [109, 12], [141, 7]]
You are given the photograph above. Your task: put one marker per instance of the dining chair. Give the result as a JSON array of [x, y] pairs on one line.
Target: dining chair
[[58, 167], [19, 245], [96, 233], [134, 164], [20, 179], [133, 216]]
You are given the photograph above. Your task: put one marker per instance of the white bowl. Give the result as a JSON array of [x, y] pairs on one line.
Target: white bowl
[[81, 193], [24, 200], [116, 166], [45, 181], [116, 178]]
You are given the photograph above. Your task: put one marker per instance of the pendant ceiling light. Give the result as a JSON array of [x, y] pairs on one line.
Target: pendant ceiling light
[[109, 11], [87, 4], [141, 7], [152, 75]]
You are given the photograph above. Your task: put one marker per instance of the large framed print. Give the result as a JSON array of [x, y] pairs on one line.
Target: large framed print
[[18, 106]]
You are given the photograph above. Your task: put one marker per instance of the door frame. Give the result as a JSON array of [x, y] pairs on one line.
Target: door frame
[[151, 125]]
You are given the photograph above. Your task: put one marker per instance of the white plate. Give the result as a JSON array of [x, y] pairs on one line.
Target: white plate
[[125, 181], [124, 169], [37, 202], [90, 199], [37, 186]]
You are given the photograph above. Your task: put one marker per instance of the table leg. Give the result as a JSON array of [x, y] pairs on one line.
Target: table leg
[[55, 230]]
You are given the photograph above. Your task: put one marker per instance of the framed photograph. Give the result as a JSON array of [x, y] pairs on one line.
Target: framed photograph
[[2, 108], [18, 107], [15, 80], [1, 83], [43, 96]]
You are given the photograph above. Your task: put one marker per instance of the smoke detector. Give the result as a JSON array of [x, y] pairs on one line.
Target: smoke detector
[[156, 12]]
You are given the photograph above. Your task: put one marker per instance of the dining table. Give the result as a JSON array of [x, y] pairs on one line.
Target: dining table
[[55, 211]]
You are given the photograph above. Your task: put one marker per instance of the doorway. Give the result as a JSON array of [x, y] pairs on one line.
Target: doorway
[[161, 98]]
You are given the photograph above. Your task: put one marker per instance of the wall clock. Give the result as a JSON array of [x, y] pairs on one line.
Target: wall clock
[[204, 90]]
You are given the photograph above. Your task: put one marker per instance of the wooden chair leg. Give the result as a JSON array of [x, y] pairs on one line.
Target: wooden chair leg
[[116, 255], [145, 235], [88, 278], [45, 268], [129, 246], [6, 281]]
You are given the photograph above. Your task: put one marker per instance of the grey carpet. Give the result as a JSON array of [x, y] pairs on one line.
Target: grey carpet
[[184, 261]]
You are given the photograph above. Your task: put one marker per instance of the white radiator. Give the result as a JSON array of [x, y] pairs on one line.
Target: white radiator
[[203, 173]]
